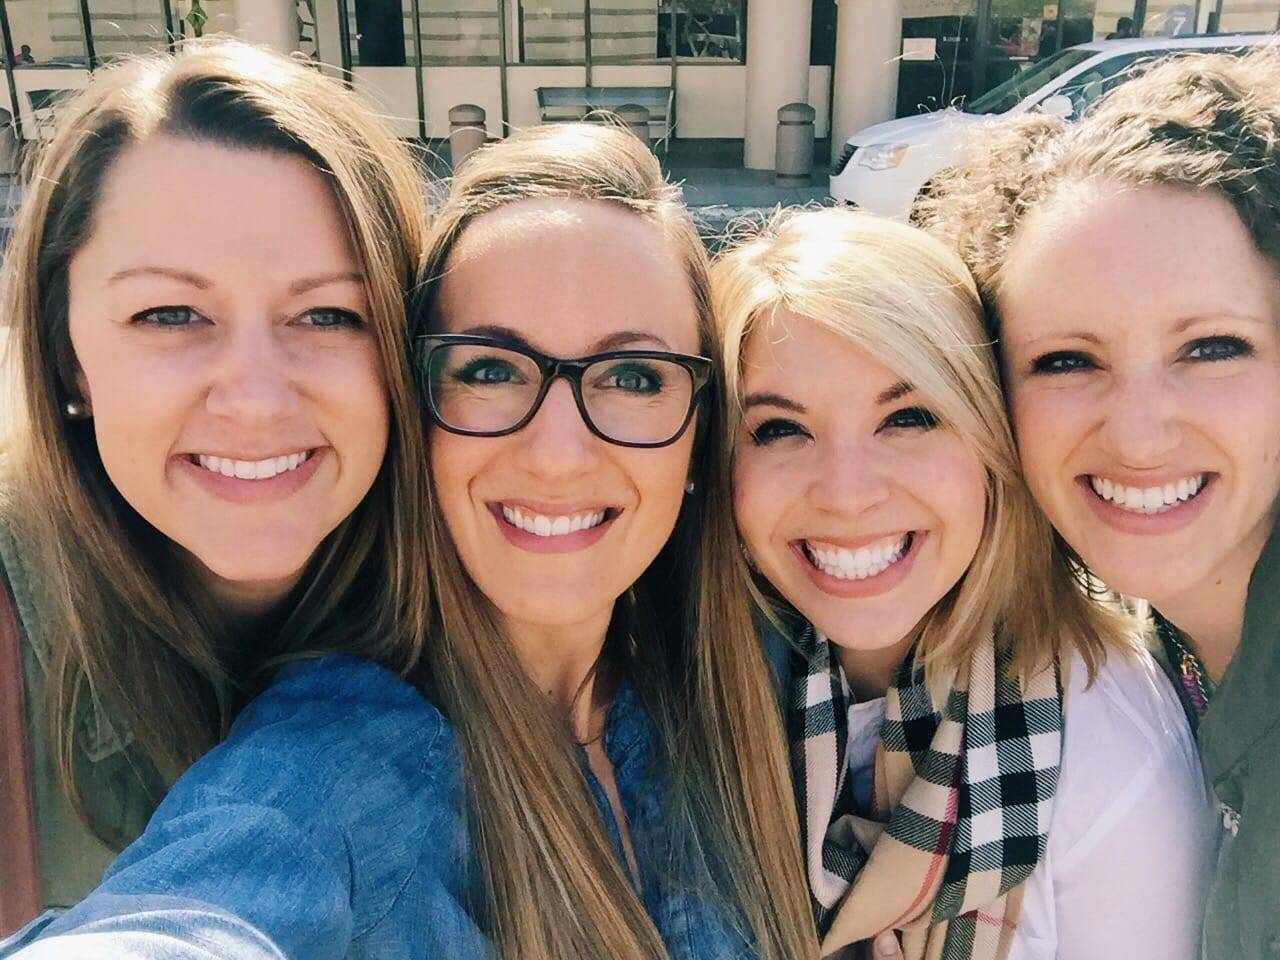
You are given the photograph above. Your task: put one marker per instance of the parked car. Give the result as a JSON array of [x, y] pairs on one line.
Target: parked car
[[885, 167]]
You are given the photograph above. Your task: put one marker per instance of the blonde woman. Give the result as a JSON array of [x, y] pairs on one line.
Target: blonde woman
[[983, 759], [597, 769], [208, 469]]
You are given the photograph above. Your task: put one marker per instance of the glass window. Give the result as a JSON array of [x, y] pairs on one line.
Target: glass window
[[46, 33], [122, 27], [947, 27], [1112, 19], [624, 31], [1249, 15], [551, 31], [381, 33], [1010, 93], [704, 30], [1166, 19], [460, 32]]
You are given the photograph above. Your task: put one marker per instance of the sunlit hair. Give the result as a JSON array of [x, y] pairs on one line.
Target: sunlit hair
[[909, 303], [131, 626], [1198, 122], [683, 634]]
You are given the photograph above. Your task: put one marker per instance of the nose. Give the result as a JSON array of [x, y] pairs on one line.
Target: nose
[[850, 479], [557, 442], [1140, 427], [252, 379]]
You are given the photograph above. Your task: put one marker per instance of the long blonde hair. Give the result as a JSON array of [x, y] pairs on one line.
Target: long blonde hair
[[133, 630], [683, 634], [910, 303]]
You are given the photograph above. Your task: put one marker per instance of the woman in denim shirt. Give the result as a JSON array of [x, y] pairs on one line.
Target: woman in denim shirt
[[598, 767], [204, 294]]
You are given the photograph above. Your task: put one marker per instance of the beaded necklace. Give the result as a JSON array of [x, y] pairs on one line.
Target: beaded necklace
[[1193, 683]]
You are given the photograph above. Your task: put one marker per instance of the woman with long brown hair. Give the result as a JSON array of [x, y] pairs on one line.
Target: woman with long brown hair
[[207, 470], [598, 767]]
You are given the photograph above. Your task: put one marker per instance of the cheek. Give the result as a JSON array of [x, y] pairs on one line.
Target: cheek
[[1045, 423], [759, 499]]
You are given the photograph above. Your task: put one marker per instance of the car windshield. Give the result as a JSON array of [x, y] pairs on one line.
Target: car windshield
[[1010, 93]]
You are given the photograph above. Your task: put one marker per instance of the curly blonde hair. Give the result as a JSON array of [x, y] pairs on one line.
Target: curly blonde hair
[[1204, 122]]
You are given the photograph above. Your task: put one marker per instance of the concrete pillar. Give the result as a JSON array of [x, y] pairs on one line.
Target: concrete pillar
[[272, 23], [868, 45], [777, 72]]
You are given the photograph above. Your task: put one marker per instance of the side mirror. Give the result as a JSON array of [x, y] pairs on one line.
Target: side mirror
[[1058, 105]]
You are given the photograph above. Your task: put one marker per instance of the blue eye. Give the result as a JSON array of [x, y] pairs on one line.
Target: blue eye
[[776, 429], [330, 318], [486, 371], [633, 378], [168, 317], [910, 418], [1062, 361], [1213, 349]]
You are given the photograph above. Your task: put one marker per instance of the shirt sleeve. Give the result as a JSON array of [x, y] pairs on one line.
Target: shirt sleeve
[[290, 839], [1132, 836]]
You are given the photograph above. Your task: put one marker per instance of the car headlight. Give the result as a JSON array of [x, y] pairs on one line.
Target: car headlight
[[882, 156]]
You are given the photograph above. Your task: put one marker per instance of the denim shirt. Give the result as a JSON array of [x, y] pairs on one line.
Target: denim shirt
[[331, 823]]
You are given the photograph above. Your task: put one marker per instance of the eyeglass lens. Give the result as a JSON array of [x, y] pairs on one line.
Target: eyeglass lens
[[479, 388]]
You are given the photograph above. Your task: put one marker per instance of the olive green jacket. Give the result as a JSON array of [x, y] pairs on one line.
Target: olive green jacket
[[120, 790], [1240, 749]]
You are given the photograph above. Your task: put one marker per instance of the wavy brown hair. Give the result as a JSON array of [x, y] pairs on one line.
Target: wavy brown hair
[[683, 634], [1197, 122], [131, 629]]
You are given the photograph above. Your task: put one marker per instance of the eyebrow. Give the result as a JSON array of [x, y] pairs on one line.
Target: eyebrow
[[614, 341], [182, 276], [297, 288], [308, 284], [766, 399], [896, 392]]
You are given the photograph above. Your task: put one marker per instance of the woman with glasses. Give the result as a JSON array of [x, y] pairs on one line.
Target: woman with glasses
[[593, 764]]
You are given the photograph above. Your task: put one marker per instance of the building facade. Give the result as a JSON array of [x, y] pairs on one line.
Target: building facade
[[730, 63]]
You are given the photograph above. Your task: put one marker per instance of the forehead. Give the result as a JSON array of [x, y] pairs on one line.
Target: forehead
[[1116, 258], [791, 354], [197, 204], [565, 274]]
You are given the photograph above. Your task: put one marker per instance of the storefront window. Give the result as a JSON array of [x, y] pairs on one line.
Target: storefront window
[[551, 32], [49, 30], [460, 32], [624, 31], [1248, 15], [122, 27], [704, 30], [1165, 19], [938, 54], [381, 33]]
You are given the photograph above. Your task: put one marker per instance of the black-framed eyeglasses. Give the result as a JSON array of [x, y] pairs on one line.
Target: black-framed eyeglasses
[[483, 387]]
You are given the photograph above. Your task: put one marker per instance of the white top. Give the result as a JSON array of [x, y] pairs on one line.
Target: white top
[[1134, 833]]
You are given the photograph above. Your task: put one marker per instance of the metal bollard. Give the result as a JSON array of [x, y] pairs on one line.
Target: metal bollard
[[466, 132], [636, 117], [793, 161]]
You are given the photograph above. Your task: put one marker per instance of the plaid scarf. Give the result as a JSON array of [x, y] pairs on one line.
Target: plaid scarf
[[960, 809]]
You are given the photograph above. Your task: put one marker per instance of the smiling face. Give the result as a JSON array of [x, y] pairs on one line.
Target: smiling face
[[855, 504], [237, 397], [1142, 352], [552, 522]]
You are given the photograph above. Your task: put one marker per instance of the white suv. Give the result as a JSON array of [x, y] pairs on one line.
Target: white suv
[[883, 168]]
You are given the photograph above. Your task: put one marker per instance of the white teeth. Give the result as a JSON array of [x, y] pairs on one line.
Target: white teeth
[[1148, 500], [543, 526], [861, 564], [253, 469]]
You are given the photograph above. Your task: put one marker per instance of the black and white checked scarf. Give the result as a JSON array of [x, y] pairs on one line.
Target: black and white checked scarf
[[962, 799]]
